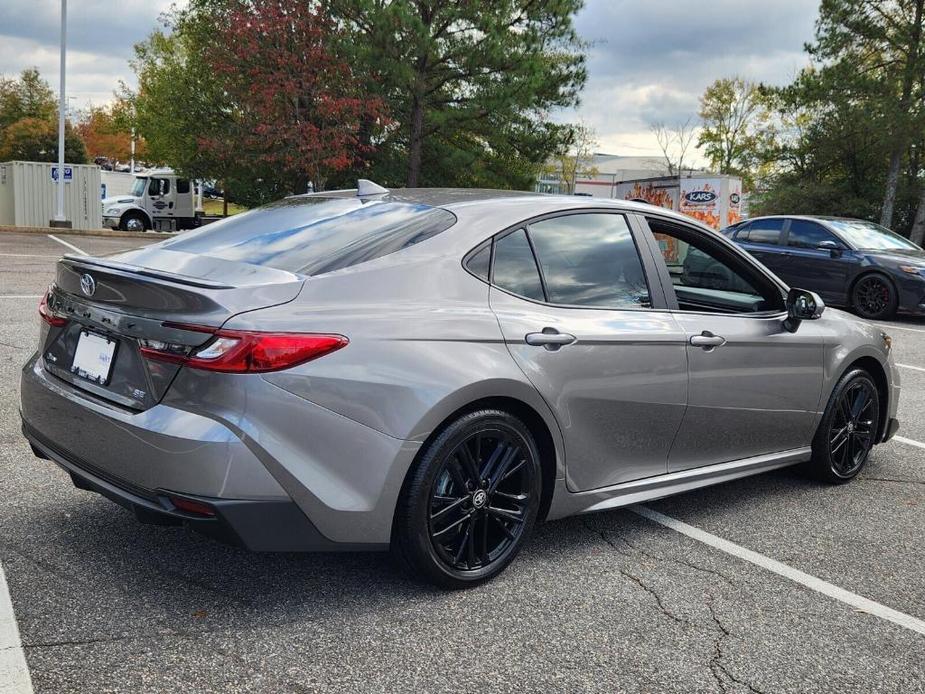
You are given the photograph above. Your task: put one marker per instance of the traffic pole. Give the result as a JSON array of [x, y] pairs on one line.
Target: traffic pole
[[60, 220]]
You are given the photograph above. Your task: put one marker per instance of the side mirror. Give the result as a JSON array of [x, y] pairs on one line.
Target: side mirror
[[833, 248], [802, 305]]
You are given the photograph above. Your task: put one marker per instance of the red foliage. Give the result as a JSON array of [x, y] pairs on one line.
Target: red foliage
[[295, 104]]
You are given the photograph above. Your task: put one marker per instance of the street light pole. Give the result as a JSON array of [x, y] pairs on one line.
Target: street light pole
[[60, 219]]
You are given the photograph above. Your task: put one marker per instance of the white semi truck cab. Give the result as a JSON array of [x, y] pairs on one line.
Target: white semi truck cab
[[159, 199]]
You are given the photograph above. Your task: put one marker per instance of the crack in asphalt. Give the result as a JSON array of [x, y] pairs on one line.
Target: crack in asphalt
[[682, 561], [717, 669], [639, 582], [889, 479], [716, 665]]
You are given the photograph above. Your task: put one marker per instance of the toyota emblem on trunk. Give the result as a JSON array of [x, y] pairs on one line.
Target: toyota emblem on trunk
[[87, 285]]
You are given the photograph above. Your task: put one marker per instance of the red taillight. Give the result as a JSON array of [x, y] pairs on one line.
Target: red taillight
[[245, 351], [48, 316]]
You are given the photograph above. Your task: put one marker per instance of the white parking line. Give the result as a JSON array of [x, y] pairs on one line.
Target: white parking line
[[908, 442], [20, 296], [65, 243], [909, 366], [817, 584], [14, 673], [27, 255]]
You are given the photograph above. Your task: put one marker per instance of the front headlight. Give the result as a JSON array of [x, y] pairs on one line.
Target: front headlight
[[111, 212]]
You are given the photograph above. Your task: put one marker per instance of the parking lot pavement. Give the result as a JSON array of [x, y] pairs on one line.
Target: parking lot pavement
[[609, 602]]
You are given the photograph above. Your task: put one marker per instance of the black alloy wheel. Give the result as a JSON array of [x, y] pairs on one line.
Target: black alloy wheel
[[472, 500], [874, 297], [848, 429]]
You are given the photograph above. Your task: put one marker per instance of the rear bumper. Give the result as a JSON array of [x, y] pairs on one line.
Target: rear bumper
[[261, 526], [237, 442]]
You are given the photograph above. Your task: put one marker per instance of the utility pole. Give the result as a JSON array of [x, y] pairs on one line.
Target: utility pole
[[60, 220]]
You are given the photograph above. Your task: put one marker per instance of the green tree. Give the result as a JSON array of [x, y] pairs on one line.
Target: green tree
[[177, 102], [874, 51], [575, 159], [35, 139], [468, 84], [828, 154], [736, 127], [29, 96]]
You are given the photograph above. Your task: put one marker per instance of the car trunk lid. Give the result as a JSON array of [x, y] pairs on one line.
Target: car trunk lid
[[118, 304]]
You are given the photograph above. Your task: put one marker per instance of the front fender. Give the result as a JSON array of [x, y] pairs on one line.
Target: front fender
[[847, 340]]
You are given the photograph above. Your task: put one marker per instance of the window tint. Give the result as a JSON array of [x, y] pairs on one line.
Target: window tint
[[514, 267], [479, 263], [590, 260], [707, 279], [314, 235], [159, 186], [805, 234], [182, 185], [762, 231]]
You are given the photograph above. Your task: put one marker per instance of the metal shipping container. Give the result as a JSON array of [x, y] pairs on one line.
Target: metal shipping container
[[28, 195]]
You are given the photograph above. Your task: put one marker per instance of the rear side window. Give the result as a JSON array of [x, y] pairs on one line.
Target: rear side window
[[315, 235], [765, 231], [805, 234], [515, 267], [590, 260], [479, 262]]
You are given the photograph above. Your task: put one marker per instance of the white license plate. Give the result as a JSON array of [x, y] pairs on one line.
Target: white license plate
[[93, 357]]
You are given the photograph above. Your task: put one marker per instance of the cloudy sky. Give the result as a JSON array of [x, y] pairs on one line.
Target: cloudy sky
[[650, 59]]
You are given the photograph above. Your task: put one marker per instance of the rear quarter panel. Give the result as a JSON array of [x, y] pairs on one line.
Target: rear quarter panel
[[423, 344]]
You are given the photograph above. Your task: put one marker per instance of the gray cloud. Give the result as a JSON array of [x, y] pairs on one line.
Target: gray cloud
[[649, 59], [101, 34]]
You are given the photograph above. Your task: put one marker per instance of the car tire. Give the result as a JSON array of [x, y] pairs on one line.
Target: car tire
[[874, 297], [848, 429], [131, 221], [456, 527]]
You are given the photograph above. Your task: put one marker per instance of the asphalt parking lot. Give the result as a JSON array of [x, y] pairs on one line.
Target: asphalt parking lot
[[612, 602]]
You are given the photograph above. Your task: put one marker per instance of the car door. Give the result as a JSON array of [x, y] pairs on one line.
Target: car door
[[762, 238], [573, 301], [160, 197], [754, 387], [824, 270]]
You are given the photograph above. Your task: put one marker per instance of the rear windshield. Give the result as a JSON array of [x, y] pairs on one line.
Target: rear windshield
[[314, 235]]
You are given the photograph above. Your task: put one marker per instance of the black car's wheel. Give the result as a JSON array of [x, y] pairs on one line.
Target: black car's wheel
[[471, 501], [848, 429], [874, 297]]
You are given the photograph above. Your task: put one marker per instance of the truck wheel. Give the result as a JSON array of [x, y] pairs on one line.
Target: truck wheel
[[133, 221]]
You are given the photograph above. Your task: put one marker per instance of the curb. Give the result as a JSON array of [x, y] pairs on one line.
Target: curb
[[111, 233]]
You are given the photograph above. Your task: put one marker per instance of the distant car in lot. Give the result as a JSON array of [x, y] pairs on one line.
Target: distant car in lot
[[436, 370], [849, 262]]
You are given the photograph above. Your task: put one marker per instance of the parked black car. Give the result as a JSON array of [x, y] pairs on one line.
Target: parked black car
[[849, 262]]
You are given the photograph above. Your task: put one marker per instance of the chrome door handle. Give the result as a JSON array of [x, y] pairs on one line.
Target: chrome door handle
[[707, 340], [550, 338]]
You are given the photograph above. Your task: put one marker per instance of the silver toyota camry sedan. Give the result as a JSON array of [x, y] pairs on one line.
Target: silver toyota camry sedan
[[437, 370]]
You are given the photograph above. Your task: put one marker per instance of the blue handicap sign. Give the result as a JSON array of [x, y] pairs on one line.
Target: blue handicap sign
[[68, 173], [102, 191]]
